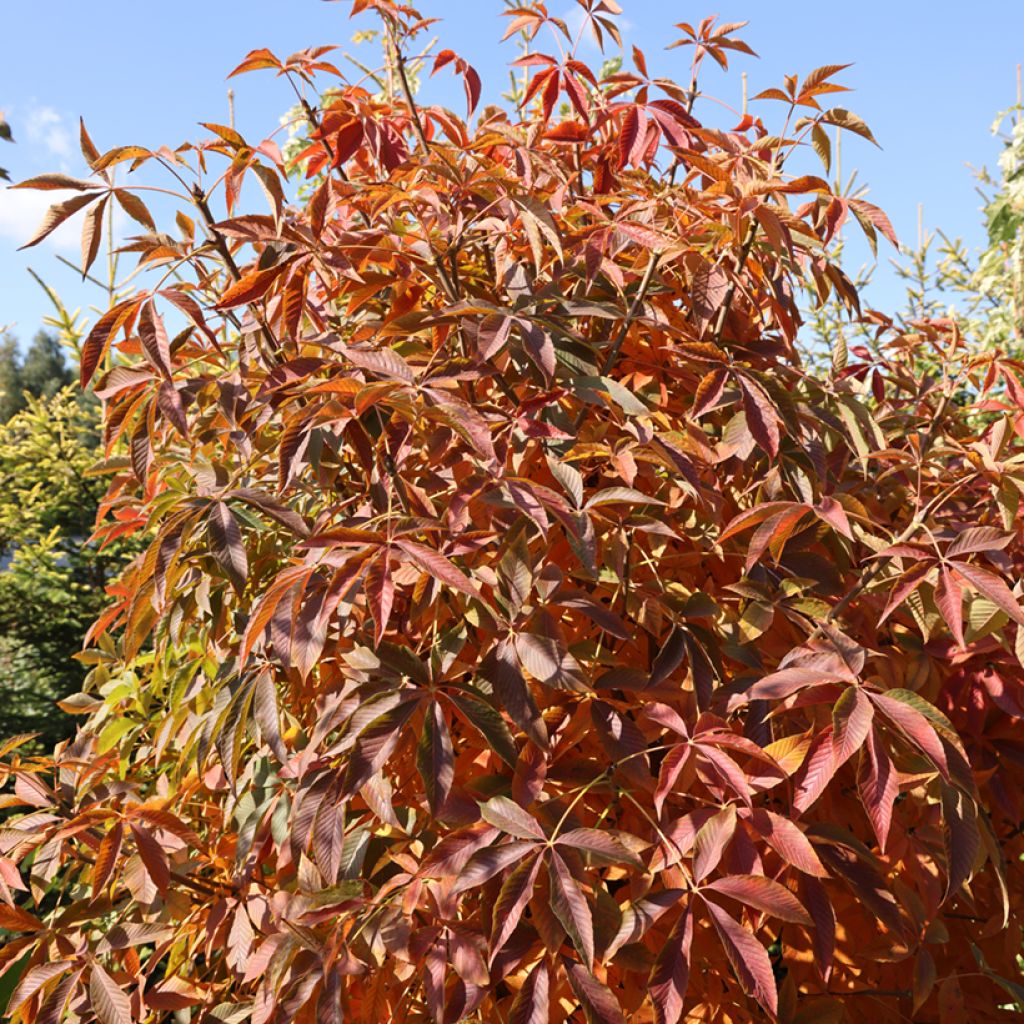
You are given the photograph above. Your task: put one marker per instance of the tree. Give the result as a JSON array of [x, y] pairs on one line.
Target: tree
[[11, 396], [51, 581], [40, 373], [525, 633], [52, 585]]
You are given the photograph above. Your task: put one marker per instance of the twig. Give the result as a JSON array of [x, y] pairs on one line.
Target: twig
[[201, 204], [730, 293]]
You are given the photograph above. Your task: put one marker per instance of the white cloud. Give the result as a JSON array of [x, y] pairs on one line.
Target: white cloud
[[45, 127], [22, 211]]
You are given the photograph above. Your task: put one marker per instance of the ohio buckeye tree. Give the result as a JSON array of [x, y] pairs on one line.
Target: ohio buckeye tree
[[522, 632]]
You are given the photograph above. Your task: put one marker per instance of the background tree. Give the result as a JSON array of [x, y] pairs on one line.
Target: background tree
[[52, 585], [41, 372], [52, 579], [524, 632]]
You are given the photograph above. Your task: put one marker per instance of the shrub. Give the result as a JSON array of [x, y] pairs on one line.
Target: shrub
[[526, 634]]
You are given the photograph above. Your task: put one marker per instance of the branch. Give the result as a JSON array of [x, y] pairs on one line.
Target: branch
[[730, 294]]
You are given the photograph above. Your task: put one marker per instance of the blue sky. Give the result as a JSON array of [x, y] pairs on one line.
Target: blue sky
[[928, 77]]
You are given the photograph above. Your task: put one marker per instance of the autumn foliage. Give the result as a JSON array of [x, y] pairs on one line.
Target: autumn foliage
[[525, 633]]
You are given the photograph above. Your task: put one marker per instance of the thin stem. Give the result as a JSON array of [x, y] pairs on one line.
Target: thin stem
[[730, 294]]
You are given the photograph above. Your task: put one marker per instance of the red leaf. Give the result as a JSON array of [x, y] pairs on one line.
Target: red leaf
[[816, 772], [434, 563], [711, 842], [380, 593], [153, 857], [961, 838], [435, 758], [875, 216], [501, 668], [515, 894], [154, 339], [485, 864], [598, 1002], [786, 839], [950, 599], [507, 815], [571, 909], [33, 981], [162, 819], [708, 290], [169, 402], [908, 583], [763, 894], [226, 544], [761, 416], [108, 1001], [577, 94], [978, 538], [878, 785], [851, 723], [602, 846], [787, 681], [103, 330], [106, 857], [375, 745], [914, 726], [748, 957], [492, 334], [57, 214], [709, 391], [830, 511], [530, 1005], [50, 182], [752, 516], [92, 233], [15, 919], [823, 938], [671, 973], [773, 533], [629, 133], [989, 584], [251, 286], [669, 771]]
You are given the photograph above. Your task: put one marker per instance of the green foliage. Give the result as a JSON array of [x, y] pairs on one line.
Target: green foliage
[[53, 584]]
